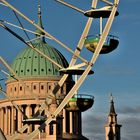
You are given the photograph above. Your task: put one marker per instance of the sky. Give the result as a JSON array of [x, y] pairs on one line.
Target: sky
[[116, 73]]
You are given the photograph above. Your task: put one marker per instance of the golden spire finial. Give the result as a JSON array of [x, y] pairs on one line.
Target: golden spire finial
[[39, 8], [112, 108], [40, 22]]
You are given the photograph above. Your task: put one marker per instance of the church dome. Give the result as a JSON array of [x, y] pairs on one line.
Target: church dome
[[29, 63]]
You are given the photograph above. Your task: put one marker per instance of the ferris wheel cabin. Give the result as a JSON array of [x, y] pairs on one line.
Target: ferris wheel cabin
[[74, 71], [35, 120], [97, 13], [110, 44], [91, 42], [80, 103]]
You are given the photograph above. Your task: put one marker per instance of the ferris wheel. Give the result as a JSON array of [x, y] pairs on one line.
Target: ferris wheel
[[101, 44]]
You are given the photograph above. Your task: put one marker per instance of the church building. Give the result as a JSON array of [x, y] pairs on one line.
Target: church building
[[112, 128]]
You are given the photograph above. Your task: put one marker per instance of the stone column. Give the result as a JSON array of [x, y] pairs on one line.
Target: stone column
[[47, 126], [54, 129], [52, 109], [2, 119], [9, 120], [64, 121], [29, 115], [19, 118], [12, 120], [71, 122], [5, 121], [36, 109], [47, 130]]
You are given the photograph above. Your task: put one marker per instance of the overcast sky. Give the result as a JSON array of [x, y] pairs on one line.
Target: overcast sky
[[117, 73]]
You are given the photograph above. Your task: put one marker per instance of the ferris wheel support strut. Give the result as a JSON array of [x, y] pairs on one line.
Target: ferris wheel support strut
[[70, 6], [107, 2]]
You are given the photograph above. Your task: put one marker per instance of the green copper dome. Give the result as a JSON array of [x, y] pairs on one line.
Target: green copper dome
[[29, 63]]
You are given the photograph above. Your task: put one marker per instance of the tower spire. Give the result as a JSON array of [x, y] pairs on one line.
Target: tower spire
[[112, 114], [112, 129], [39, 14], [40, 23], [112, 108]]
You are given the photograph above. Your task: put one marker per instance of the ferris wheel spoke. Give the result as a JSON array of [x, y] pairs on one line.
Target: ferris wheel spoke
[[107, 2], [16, 26], [70, 6], [94, 3]]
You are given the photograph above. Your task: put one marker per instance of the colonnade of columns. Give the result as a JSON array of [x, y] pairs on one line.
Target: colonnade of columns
[[7, 119], [72, 122], [11, 120]]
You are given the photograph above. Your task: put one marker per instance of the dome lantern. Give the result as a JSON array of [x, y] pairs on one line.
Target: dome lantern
[[39, 33]]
